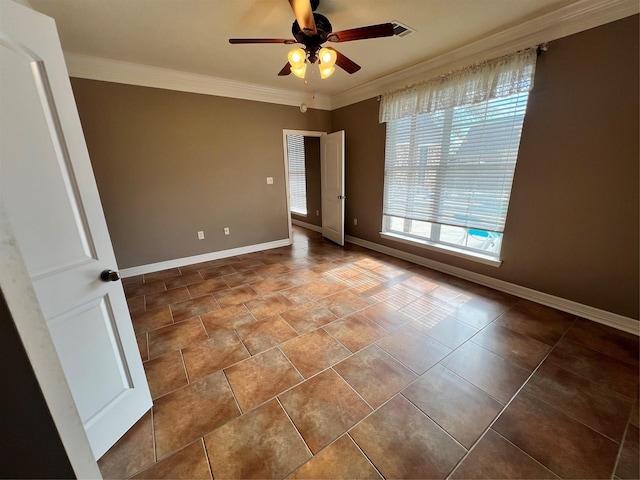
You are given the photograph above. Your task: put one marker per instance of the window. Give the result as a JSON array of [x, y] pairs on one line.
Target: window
[[449, 161], [297, 174]]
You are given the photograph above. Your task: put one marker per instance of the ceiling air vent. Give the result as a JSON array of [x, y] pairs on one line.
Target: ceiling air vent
[[401, 30]]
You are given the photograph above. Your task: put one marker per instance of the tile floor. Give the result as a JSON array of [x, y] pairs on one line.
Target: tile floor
[[314, 361]]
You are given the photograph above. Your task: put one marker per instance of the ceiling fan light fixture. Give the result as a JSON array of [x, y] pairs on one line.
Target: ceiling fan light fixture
[[327, 57], [297, 58], [299, 71], [326, 72]]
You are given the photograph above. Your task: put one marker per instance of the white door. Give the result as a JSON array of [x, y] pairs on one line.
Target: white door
[[49, 193], [332, 186]]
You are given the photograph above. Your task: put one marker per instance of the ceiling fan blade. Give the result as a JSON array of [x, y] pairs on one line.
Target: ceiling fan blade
[[286, 70], [304, 15], [345, 63], [361, 33], [287, 41]]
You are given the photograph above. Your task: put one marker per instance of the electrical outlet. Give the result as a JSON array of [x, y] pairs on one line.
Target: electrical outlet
[[269, 180], [226, 230], [200, 235], [355, 221], [317, 213]]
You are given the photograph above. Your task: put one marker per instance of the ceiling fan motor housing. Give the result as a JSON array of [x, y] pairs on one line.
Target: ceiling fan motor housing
[[312, 43]]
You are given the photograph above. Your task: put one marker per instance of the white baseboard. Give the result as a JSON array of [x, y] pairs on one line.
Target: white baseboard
[[308, 226], [181, 262], [591, 313]]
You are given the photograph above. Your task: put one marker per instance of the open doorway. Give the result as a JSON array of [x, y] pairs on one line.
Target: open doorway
[[314, 170], [302, 164]]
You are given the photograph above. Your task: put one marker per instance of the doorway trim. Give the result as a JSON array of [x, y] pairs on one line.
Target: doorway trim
[[285, 133]]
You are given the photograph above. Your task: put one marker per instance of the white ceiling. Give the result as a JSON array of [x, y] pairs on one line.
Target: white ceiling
[[192, 35]]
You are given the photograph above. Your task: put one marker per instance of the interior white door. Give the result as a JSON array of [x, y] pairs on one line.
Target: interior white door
[[49, 192], [332, 186]]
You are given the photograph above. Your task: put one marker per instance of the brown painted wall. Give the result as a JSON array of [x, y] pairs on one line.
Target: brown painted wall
[[573, 223], [169, 164]]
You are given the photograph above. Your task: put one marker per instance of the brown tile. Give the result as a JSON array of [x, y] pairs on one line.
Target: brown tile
[[196, 266], [189, 463], [419, 308], [161, 275], [242, 278], [313, 352], [272, 270], [217, 271], [341, 460], [463, 410], [193, 308], [515, 347], [249, 263], [136, 305], [268, 306], [475, 313], [272, 284], [614, 343], [323, 408], [165, 374], [175, 337], [562, 444], [386, 315], [451, 332], [343, 303], [228, 317], [264, 334], [188, 278], [494, 457], [165, 298], [190, 412], [261, 444], [355, 331], [536, 321], [311, 291], [130, 454], [208, 286], [635, 414], [414, 349], [222, 349], [143, 346], [597, 367], [151, 319], [235, 296], [487, 371], [259, 378], [132, 280], [374, 374], [628, 463], [138, 289], [421, 449], [308, 317], [594, 405]]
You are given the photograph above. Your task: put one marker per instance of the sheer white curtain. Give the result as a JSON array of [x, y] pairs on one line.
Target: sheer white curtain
[[480, 82]]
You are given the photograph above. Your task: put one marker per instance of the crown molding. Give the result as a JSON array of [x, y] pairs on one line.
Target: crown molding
[[576, 17], [96, 68], [571, 19]]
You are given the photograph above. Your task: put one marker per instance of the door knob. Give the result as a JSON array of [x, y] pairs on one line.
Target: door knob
[[109, 276], [342, 197]]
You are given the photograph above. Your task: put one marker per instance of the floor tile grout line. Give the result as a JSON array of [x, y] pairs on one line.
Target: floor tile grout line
[[206, 455], [363, 452], [506, 405]]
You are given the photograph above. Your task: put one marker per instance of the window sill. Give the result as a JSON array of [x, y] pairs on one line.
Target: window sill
[[450, 250]]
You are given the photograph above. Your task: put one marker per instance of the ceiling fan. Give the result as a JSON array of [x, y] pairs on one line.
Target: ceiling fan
[[312, 30]]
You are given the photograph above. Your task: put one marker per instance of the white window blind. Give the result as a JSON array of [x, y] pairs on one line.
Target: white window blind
[[297, 174], [452, 144]]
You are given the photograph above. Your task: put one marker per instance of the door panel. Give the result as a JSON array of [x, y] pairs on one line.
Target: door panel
[[49, 193], [332, 179]]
